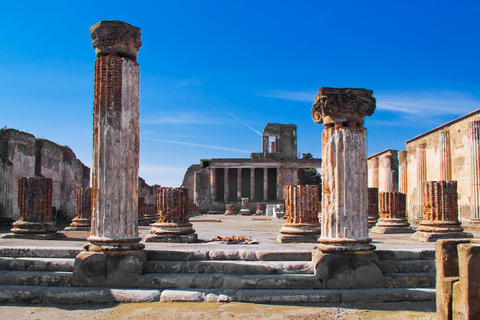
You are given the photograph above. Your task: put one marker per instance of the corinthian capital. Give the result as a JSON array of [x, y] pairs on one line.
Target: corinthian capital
[[344, 106], [115, 38]]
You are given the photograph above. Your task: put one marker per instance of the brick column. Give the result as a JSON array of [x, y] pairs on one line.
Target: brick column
[[393, 217], [35, 204], [301, 209], [230, 209], [344, 169], [402, 172], [440, 212], [261, 208], [372, 206], [474, 135], [173, 224], [83, 201], [116, 137]]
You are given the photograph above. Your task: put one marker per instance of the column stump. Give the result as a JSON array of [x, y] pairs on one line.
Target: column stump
[[393, 217], [83, 201], [230, 210]]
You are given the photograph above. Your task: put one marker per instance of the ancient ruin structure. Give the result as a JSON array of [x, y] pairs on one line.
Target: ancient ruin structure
[[448, 152], [383, 171], [393, 217], [173, 224], [230, 209], [116, 137], [151, 213], [261, 178], [261, 208], [142, 221], [440, 212], [35, 204], [301, 209], [82, 220], [244, 210], [23, 155], [344, 168], [402, 172], [372, 206]]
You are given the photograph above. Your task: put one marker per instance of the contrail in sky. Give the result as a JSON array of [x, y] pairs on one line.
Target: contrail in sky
[[199, 145], [244, 124]]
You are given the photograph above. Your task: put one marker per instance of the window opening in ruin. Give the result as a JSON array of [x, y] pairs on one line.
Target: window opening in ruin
[[272, 144]]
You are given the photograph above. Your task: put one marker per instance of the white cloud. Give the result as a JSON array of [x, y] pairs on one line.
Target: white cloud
[[303, 96], [179, 118], [200, 145]]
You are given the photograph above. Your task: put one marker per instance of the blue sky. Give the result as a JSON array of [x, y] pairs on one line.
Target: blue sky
[[214, 73]]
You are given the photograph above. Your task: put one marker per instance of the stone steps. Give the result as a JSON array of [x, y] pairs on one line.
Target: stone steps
[[410, 280], [98, 295], [36, 264], [35, 278], [230, 267]]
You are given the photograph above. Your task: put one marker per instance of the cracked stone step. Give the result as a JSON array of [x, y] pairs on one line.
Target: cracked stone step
[[40, 264], [170, 255], [39, 252], [410, 280], [407, 266], [35, 278], [229, 267], [226, 281]]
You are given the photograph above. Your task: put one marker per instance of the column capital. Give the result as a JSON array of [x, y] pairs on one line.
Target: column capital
[[342, 106], [116, 38]]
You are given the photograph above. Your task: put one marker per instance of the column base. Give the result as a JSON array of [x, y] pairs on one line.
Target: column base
[[172, 238], [345, 246], [108, 269], [299, 233], [143, 222], [434, 236], [346, 271], [152, 219], [34, 236], [106, 245], [44, 230], [260, 213], [79, 224], [77, 229], [245, 212], [372, 222], [392, 226]]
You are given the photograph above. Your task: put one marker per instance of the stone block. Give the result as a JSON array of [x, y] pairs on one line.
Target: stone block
[[405, 266], [398, 254], [21, 294], [344, 271], [434, 236], [289, 296], [410, 280], [182, 296], [387, 295], [284, 256], [177, 255], [224, 255]]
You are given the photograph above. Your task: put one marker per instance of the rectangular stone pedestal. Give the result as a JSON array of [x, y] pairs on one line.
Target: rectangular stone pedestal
[[188, 238], [434, 236], [392, 230]]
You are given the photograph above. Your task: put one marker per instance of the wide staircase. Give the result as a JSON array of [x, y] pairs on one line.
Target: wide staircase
[[44, 275]]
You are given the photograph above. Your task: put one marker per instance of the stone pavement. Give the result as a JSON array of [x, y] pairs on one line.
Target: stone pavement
[[210, 226]]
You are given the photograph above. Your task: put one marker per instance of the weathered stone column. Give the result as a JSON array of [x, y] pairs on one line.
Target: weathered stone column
[[265, 184], [372, 206], [344, 240], [421, 178], [393, 219], [373, 172], [142, 221], [402, 172], [261, 208], [213, 193], [239, 183], [244, 210], [173, 224], [35, 204], [295, 177], [6, 191], [252, 184], [445, 159], [388, 171], [226, 187], [440, 213], [116, 137], [474, 135], [83, 201], [230, 209], [301, 209]]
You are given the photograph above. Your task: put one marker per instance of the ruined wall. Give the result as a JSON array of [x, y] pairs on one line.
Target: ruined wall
[[459, 158], [18, 148], [28, 157], [147, 191]]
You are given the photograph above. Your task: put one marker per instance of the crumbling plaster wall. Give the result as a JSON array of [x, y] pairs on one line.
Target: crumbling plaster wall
[[460, 158]]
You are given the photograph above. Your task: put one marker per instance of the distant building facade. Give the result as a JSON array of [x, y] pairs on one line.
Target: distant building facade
[[261, 178]]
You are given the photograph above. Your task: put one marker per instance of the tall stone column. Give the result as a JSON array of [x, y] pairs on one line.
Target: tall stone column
[[213, 193], [344, 240], [440, 212], [474, 135], [173, 224], [402, 172], [279, 185], [265, 184], [116, 137], [226, 186], [301, 209], [295, 177], [252, 184], [388, 171], [344, 168], [35, 204], [393, 219], [445, 158], [421, 177], [373, 172], [372, 206], [239, 183], [83, 201]]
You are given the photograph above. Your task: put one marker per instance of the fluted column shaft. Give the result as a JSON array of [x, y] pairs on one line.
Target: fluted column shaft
[[373, 173], [402, 172], [116, 137], [445, 158], [83, 201], [474, 133], [388, 172], [421, 175], [301, 205]]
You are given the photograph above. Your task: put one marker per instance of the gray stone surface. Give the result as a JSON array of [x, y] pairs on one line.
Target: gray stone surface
[[292, 296], [410, 280], [42, 264], [36, 278], [387, 295]]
